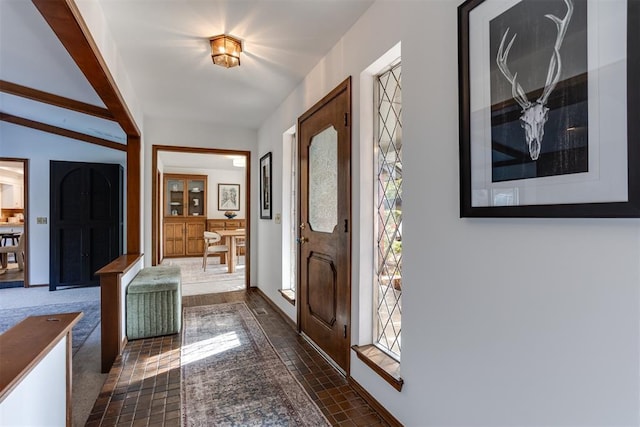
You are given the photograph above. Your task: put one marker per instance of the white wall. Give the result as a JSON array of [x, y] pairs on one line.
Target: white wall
[[40, 148], [46, 384], [94, 19], [215, 177], [204, 135], [505, 321]]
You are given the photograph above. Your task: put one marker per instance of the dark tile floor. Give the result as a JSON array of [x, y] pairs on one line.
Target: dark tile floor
[[143, 387]]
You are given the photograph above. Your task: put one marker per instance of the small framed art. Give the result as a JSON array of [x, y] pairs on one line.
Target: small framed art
[[228, 197], [265, 186]]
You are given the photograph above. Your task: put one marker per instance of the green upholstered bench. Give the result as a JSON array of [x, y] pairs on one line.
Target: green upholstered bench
[[154, 302]]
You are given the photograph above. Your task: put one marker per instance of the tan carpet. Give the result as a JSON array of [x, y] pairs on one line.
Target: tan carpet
[[196, 281]]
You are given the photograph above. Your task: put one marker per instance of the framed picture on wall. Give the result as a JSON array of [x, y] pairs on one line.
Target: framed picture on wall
[[549, 101], [228, 197], [265, 186]]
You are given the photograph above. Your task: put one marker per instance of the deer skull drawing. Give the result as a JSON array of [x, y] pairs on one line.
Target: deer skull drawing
[[535, 114]]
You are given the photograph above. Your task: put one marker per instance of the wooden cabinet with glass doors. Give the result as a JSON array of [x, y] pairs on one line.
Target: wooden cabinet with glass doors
[[185, 214], [185, 195]]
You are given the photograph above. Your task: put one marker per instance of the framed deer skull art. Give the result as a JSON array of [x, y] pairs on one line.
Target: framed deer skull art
[[549, 108]]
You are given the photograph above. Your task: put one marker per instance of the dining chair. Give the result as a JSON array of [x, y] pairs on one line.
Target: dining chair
[[18, 250], [240, 247], [6, 237], [212, 246], [240, 243]]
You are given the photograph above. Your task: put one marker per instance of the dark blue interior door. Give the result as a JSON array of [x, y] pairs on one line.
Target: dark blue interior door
[[86, 221]]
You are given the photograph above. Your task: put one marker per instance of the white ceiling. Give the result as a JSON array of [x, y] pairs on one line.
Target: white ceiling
[[14, 168], [164, 47], [32, 56]]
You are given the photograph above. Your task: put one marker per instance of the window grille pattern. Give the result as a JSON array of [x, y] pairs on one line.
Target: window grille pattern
[[388, 310]]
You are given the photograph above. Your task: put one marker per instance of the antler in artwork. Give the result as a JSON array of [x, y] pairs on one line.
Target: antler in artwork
[[535, 115]]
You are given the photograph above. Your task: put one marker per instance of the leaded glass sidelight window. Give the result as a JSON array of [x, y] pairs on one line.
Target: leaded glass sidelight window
[[388, 220]]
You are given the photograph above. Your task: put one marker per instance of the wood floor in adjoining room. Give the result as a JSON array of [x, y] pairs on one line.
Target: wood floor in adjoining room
[[143, 387], [216, 279]]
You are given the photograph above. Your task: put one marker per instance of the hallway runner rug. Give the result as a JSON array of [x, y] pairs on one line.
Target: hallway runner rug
[[91, 318], [232, 376]]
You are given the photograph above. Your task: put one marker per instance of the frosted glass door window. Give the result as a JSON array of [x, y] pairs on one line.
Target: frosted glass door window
[[323, 181]]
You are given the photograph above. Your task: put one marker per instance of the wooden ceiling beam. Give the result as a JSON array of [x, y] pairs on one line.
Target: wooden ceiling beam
[[55, 100], [65, 20], [61, 131]]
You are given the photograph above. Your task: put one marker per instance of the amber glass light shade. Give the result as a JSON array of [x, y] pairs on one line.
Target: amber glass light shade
[[225, 51]]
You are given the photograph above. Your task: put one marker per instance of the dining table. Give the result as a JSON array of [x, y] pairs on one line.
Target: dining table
[[230, 237]]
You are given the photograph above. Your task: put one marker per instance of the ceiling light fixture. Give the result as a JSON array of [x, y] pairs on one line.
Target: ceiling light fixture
[[225, 51]]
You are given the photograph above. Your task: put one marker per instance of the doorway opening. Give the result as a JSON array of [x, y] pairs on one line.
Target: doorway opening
[[14, 222], [200, 195]]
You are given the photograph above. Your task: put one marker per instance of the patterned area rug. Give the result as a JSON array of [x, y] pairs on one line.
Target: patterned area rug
[[80, 332], [232, 376]]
